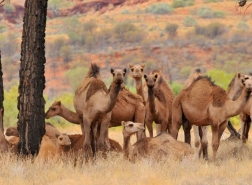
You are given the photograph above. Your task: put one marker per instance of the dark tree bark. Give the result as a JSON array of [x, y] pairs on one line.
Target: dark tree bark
[[1, 94], [31, 104]]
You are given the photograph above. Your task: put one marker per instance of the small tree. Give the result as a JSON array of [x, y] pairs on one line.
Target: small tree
[[171, 29], [66, 54]]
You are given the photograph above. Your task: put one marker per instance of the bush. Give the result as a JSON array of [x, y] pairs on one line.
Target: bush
[[66, 53], [218, 14], [243, 25], [176, 87], [189, 21], [171, 29], [125, 11], [89, 26], [9, 8], [160, 8], [182, 3], [205, 12], [211, 31]]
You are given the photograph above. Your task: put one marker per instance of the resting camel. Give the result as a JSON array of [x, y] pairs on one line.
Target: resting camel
[[163, 145], [160, 97], [205, 103], [94, 102], [128, 107], [234, 91], [3, 141]]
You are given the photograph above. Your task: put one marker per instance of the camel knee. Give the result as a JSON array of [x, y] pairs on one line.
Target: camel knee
[[215, 146], [197, 144]]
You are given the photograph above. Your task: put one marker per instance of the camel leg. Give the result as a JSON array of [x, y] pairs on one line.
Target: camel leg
[[104, 132], [159, 128], [196, 141], [86, 145], [232, 130], [139, 118], [148, 122], [215, 139], [187, 131], [242, 123], [176, 121], [246, 128], [204, 142]]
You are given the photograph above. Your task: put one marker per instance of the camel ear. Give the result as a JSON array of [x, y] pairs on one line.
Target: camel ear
[[123, 123], [145, 77], [59, 103], [112, 71], [56, 135], [142, 66], [238, 75], [130, 66], [125, 70]]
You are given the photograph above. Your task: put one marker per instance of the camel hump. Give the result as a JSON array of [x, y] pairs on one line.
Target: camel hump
[[192, 77], [94, 71], [219, 96], [94, 86], [159, 94]]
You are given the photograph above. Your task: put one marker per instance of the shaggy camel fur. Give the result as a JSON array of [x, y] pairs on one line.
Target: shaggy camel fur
[[234, 91], [159, 104], [51, 131], [94, 102], [128, 107], [205, 103], [163, 145], [51, 151], [142, 90], [3, 141]]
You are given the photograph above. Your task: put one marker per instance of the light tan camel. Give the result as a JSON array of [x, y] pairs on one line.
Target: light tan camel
[[234, 91], [129, 107], [163, 145], [205, 103], [3, 141], [159, 104], [94, 102], [142, 90]]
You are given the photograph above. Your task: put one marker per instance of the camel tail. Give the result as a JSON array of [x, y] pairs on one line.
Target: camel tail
[[94, 71]]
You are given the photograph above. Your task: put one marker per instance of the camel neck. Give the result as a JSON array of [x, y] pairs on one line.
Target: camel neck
[[126, 146], [62, 149], [139, 87], [112, 95], [69, 115], [237, 106], [234, 92], [151, 99]]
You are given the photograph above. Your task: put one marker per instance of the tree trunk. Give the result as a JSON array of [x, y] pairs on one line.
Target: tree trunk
[[1, 94], [31, 104]]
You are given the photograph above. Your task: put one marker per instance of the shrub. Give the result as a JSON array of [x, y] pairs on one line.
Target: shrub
[[189, 21], [242, 25], [176, 87], [171, 29], [182, 3], [9, 8], [66, 53], [211, 31], [125, 11], [89, 26], [160, 8], [218, 14], [205, 12]]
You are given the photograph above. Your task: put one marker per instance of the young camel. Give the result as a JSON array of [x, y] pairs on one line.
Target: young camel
[[234, 91], [3, 141], [160, 97], [128, 107], [94, 102], [163, 145], [205, 103]]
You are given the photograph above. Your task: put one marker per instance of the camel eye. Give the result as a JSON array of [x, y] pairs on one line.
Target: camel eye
[[131, 125], [132, 69], [141, 70], [246, 78], [54, 109]]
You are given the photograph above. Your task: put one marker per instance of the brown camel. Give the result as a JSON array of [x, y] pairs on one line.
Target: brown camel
[[234, 91], [128, 107], [205, 103], [159, 104], [3, 141], [163, 145], [142, 90], [94, 102]]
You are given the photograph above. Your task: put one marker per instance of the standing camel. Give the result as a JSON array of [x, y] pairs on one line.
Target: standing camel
[[159, 104], [204, 103], [94, 102]]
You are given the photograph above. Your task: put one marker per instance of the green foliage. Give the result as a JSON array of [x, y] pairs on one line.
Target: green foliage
[[182, 3], [220, 77], [89, 26], [211, 31], [54, 4], [218, 14], [10, 106], [212, 1], [9, 8], [185, 71], [243, 25], [207, 13], [189, 21], [160, 8], [125, 11], [66, 53], [75, 76], [176, 87], [171, 29]]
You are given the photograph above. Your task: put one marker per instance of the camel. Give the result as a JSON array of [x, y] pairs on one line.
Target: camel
[[234, 91], [204, 103], [3, 141], [51, 151], [94, 102], [129, 107], [159, 104], [163, 145]]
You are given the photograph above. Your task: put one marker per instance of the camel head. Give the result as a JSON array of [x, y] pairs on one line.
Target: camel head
[[247, 82], [150, 80], [53, 110], [137, 70], [63, 139], [130, 127], [118, 75]]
